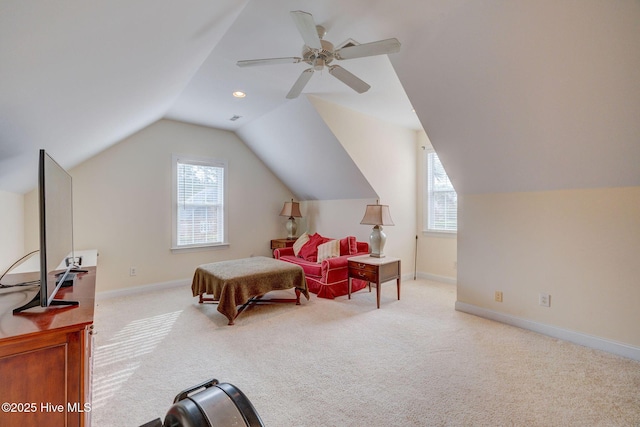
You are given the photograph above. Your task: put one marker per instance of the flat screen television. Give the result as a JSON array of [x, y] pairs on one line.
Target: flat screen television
[[57, 261]]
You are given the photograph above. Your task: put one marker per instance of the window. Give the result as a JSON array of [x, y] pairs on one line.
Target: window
[[199, 211], [441, 210]]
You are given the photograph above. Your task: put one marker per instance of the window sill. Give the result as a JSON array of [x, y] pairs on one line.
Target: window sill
[[199, 248], [444, 234]]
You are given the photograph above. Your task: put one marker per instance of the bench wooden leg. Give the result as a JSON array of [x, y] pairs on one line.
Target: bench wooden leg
[[202, 299]]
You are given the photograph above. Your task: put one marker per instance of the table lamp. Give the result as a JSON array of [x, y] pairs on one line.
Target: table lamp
[[292, 210], [377, 215]]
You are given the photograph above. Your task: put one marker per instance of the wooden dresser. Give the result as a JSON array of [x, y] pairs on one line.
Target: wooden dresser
[[45, 355]]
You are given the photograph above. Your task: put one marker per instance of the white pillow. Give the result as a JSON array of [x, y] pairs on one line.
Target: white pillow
[[331, 249], [299, 243]]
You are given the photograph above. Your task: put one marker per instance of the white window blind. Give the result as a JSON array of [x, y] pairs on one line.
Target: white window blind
[[442, 200], [199, 202]]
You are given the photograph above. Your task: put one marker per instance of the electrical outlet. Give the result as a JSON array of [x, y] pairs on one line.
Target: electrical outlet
[[498, 296], [133, 271], [544, 300]]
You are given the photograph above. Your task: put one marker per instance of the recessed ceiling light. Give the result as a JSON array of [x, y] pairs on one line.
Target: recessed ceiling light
[[239, 94]]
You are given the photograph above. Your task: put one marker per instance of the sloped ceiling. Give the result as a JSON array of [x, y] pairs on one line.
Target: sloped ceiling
[[78, 76], [529, 95], [298, 146], [515, 96]]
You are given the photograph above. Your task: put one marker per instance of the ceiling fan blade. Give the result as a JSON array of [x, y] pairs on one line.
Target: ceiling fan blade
[[307, 28], [268, 61], [381, 47], [300, 83], [348, 78]]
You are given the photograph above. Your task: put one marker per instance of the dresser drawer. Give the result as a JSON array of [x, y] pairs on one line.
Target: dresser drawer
[[282, 243], [354, 265], [368, 275]]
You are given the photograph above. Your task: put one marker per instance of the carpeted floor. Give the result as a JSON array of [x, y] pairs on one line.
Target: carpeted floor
[[413, 362]]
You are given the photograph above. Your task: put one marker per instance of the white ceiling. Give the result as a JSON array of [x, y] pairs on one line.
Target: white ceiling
[[515, 96]]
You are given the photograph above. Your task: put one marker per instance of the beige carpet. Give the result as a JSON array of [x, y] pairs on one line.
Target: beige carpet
[[413, 362]]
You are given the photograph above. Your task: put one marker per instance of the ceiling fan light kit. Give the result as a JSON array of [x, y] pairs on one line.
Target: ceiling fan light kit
[[319, 53]]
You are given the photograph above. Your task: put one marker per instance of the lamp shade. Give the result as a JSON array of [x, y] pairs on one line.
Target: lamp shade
[[377, 215], [291, 209]]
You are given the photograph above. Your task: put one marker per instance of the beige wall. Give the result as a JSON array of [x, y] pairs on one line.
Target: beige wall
[[386, 156], [580, 246], [438, 257], [31, 221], [11, 228], [122, 204], [124, 189], [336, 218]]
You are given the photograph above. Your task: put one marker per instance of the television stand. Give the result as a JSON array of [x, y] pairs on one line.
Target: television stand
[[46, 356], [35, 302]]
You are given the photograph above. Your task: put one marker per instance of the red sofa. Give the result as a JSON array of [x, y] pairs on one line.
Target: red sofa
[[329, 278]]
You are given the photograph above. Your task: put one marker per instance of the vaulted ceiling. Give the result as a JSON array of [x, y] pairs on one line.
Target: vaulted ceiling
[[515, 96]]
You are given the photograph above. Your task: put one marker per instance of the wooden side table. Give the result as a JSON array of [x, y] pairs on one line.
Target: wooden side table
[[282, 243], [374, 270]]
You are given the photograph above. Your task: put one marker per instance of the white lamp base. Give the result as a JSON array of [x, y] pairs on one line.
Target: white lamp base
[[377, 239], [292, 227]]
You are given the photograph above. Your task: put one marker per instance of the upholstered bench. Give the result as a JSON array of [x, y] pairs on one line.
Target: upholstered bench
[[244, 281]]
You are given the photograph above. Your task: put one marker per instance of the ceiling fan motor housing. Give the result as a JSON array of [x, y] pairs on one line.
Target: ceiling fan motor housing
[[318, 58]]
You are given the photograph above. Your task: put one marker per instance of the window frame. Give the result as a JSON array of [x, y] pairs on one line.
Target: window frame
[[194, 160], [426, 226]]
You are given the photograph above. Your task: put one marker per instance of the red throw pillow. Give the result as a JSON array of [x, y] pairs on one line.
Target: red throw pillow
[[310, 249], [348, 246]]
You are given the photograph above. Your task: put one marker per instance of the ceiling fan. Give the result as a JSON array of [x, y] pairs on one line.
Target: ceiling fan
[[319, 53]]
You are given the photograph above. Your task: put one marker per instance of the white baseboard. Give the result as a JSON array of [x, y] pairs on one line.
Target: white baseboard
[[590, 341], [436, 278], [141, 289]]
